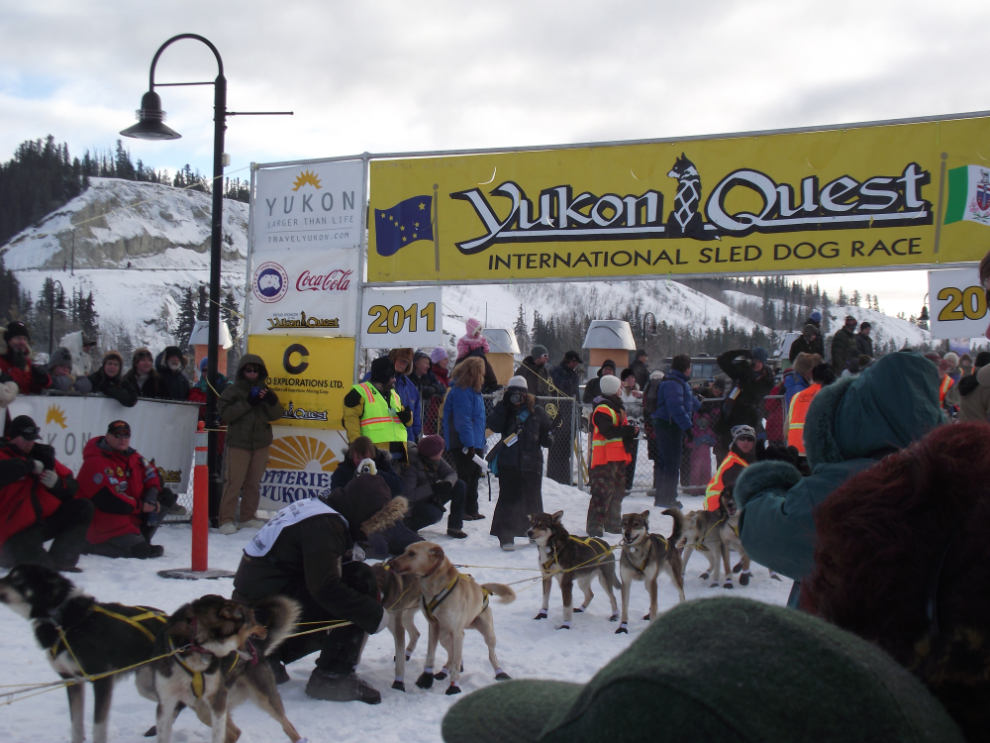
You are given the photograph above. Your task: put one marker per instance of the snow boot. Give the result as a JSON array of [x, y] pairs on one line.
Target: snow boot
[[333, 686]]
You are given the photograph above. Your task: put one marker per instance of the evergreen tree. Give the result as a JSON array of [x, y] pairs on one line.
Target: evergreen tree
[[187, 318], [230, 314], [521, 333], [843, 299], [855, 299], [203, 304], [10, 295]]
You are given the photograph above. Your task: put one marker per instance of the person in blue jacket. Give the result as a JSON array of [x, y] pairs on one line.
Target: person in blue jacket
[[850, 426], [464, 427], [673, 416], [402, 360]]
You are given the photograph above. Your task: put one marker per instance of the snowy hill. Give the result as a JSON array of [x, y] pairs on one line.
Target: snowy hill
[[885, 327], [161, 232]]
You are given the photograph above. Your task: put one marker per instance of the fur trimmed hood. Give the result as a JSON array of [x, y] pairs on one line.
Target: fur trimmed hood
[[393, 512], [402, 353], [891, 404]]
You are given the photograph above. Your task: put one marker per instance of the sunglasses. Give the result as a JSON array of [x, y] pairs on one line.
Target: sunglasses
[[251, 369], [121, 435]]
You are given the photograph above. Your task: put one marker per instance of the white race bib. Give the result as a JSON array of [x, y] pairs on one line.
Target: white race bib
[[291, 514]]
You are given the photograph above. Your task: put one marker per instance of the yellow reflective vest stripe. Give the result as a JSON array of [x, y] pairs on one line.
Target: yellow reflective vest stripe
[[605, 450], [713, 492], [796, 415]]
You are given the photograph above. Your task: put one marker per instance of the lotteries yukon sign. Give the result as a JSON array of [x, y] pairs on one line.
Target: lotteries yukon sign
[[857, 197]]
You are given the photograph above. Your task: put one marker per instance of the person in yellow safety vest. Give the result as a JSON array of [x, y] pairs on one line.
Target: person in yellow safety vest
[[611, 439], [945, 382], [821, 376], [373, 409], [741, 454]]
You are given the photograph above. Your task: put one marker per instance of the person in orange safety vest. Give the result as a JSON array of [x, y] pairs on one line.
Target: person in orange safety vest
[[821, 376], [741, 454]]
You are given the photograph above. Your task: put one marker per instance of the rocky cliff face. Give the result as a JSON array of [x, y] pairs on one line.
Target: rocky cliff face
[[118, 222]]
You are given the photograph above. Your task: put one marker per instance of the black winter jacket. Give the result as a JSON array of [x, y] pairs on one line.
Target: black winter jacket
[[753, 387], [422, 475], [112, 387], [526, 455]]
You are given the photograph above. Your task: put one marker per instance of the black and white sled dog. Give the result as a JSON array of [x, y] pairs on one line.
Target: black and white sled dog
[[644, 555], [83, 637]]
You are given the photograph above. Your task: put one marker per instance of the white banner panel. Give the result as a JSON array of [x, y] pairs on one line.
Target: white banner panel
[[316, 205], [163, 431], [958, 303], [300, 464], [401, 318], [304, 292]]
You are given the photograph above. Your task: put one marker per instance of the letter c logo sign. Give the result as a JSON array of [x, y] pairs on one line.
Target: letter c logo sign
[[303, 361]]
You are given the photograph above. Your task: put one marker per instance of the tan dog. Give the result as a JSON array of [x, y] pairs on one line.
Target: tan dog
[[703, 532], [451, 602], [214, 658], [644, 555], [401, 597]]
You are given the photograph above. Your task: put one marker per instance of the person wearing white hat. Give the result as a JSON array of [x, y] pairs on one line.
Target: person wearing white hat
[[612, 438]]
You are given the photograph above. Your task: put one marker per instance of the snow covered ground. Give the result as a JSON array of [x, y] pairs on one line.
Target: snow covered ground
[[526, 648]]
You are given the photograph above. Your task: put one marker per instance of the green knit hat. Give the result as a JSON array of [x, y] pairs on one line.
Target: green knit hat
[[727, 670]]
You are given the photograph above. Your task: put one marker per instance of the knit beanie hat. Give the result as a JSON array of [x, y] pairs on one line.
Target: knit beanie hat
[[953, 357], [760, 354], [382, 370], [816, 316], [60, 357], [864, 325], [809, 330], [739, 431], [681, 680], [518, 381], [610, 385], [438, 354], [430, 446], [15, 329], [538, 351], [112, 355]]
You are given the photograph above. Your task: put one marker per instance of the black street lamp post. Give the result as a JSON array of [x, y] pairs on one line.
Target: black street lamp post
[[151, 126]]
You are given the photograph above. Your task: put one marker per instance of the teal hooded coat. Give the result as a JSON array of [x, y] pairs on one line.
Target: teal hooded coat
[[850, 426]]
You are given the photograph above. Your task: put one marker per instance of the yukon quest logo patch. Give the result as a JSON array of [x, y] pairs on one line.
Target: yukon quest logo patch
[[270, 282]]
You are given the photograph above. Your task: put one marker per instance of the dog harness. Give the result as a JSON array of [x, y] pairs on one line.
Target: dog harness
[[198, 682], [431, 606], [134, 621], [641, 569], [594, 542]]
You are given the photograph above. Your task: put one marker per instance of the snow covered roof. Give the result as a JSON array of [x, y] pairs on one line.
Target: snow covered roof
[[501, 340], [610, 334]]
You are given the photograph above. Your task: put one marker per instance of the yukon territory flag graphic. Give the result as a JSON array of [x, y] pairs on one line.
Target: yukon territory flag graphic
[[969, 195], [402, 224]]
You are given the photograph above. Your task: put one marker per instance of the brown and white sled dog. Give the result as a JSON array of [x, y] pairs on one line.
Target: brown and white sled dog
[[568, 559], [220, 663], [82, 637], [730, 536], [703, 531], [452, 602], [644, 555], [401, 597]]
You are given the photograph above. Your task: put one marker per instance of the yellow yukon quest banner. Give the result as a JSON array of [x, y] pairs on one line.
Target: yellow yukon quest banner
[[310, 375], [854, 198]]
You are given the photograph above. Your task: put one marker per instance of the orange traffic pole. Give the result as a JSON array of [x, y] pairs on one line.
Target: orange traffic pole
[[201, 503]]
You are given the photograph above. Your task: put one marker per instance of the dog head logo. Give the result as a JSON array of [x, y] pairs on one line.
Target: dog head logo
[[270, 282]]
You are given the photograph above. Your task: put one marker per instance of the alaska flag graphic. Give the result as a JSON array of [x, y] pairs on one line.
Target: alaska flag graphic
[[405, 223]]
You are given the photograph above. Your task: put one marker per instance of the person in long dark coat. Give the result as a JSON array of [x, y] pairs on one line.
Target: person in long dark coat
[[525, 429]]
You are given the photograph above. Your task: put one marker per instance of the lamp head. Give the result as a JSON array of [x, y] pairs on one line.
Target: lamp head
[[150, 120]]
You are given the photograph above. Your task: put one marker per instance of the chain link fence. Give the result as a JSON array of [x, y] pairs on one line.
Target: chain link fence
[[700, 453]]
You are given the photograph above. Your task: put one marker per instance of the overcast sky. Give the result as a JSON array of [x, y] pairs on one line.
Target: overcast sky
[[399, 76]]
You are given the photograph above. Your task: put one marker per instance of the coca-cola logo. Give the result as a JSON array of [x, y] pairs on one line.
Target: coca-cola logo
[[337, 280]]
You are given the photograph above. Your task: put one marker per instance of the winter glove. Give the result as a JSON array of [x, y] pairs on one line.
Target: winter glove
[[443, 487], [18, 359], [405, 416], [780, 453], [271, 398], [39, 376], [48, 478], [255, 397], [469, 452], [367, 467], [37, 466]]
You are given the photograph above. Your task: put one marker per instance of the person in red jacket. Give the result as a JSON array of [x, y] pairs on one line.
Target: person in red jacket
[[128, 496], [37, 503], [15, 360]]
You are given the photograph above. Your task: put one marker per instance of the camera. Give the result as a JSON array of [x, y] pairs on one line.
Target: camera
[[515, 397]]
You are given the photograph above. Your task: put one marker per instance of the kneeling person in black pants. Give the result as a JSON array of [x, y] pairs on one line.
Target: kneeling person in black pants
[[37, 503], [307, 552], [431, 483]]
